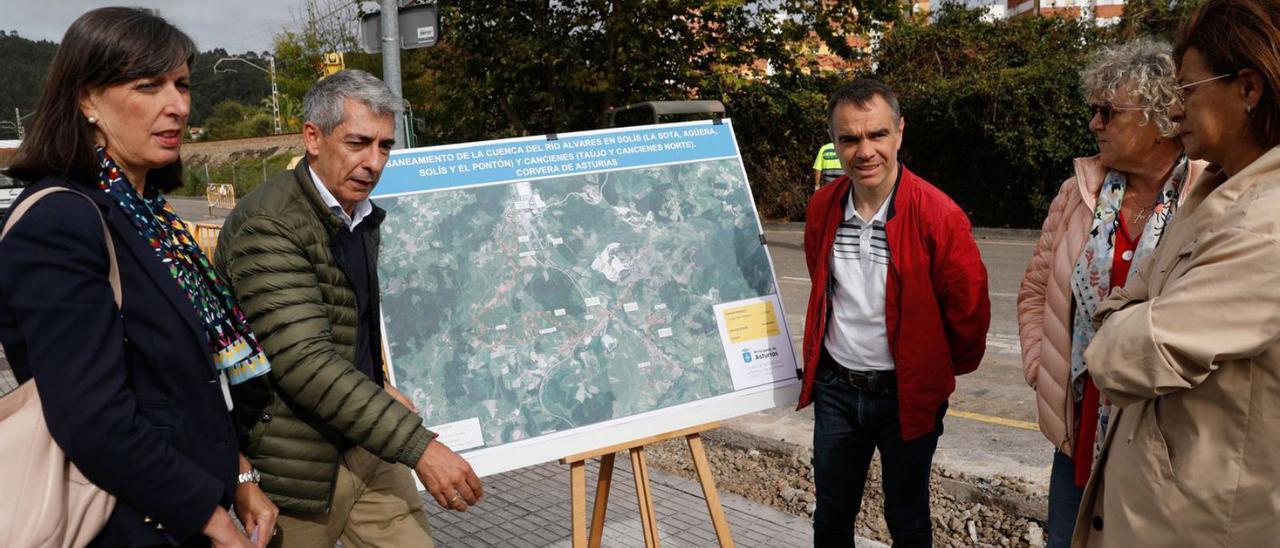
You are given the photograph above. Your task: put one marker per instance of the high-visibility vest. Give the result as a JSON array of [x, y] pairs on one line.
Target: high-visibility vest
[[828, 163]]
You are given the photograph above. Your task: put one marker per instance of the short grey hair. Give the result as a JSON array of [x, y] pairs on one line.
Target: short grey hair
[[323, 105], [1143, 71]]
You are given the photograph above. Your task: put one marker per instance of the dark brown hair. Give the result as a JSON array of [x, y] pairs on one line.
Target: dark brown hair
[[860, 92], [1233, 35], [104, 47]]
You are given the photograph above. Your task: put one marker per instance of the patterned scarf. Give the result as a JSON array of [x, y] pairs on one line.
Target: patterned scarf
[[232, 344], [1091, 280]]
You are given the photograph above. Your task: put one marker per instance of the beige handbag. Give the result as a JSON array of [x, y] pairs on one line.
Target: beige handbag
[[47, 502]]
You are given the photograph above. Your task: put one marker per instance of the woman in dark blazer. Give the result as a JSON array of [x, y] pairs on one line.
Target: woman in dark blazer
[[137, 396]]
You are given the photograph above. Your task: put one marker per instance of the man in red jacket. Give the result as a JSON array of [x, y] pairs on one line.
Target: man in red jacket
[[898, 308]]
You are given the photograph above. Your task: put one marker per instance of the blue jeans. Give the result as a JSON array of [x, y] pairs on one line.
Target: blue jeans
[[850, 424], [1064, 500]]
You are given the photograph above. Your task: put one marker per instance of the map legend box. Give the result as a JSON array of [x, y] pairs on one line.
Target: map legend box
[[751, 322]]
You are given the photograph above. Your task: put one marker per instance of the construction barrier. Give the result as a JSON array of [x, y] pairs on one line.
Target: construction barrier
[[206, 234], [220, 195]]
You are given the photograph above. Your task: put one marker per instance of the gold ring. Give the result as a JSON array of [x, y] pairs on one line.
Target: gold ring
[[455, 497]]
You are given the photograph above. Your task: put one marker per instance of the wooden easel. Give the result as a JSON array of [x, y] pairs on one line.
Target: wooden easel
[[648, 518]]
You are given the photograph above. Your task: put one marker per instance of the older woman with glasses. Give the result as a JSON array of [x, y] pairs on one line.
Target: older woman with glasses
[[1103, 222], [1189, 350]]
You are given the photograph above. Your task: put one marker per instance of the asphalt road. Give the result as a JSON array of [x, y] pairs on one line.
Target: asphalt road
[[991, 426], [196, 210]]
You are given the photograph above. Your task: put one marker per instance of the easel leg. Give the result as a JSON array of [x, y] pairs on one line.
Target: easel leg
[[602, 500], [709, 490], [648, 518], [578, 501]]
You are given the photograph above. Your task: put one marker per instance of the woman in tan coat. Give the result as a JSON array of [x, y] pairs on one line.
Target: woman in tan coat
[[1104, 220], [1189, 349]]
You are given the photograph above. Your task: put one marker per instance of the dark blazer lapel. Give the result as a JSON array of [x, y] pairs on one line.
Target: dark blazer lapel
[[126, 237]]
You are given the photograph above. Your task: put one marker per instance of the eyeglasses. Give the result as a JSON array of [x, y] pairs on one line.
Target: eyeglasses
[[1182, 89], [1108, 111]]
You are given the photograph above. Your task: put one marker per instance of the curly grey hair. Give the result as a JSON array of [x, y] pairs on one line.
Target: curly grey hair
[[323, 104], [1143, 72]]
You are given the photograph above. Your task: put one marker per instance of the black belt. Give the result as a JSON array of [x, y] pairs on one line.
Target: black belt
[[883, 382]]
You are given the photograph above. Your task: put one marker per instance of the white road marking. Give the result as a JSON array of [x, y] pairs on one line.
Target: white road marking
[[1004, 343]]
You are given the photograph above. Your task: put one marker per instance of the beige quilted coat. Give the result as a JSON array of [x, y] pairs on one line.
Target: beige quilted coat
[[1190, 352], [1045, 302]]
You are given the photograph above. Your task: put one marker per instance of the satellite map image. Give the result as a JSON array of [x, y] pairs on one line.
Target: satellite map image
[[539, 306]]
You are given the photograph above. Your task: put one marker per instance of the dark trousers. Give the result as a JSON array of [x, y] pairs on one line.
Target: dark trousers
[[850, 424], [1064, 500]]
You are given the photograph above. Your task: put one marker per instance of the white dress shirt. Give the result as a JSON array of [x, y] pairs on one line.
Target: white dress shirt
[[363, 209]]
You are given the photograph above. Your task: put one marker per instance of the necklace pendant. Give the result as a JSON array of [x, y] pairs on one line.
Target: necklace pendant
[[1142, 214]]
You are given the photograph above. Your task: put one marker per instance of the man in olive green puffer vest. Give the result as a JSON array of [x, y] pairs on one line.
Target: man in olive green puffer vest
[[326, 434]]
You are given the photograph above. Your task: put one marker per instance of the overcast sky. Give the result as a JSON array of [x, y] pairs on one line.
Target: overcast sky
[[235, 25]]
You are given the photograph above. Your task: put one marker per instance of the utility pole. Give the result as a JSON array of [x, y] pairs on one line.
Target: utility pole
[[16, 124], [275, 93], [390, 24]]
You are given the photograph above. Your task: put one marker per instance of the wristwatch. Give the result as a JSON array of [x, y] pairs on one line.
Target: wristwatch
[[252, 476]]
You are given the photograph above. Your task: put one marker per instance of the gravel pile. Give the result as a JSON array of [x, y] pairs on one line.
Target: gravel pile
[[979, 517]]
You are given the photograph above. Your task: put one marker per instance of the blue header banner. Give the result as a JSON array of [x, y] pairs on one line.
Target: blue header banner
[[531, 158]]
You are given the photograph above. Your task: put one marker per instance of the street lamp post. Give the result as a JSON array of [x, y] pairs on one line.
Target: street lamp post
[[271, 71]]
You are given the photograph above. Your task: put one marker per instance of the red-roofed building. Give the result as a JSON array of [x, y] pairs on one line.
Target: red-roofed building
[[1104, 11]]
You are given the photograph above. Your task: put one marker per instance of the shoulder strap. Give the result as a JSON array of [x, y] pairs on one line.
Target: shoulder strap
[[18, 212]]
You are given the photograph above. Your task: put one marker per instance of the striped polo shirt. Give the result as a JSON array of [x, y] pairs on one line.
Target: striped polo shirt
[[856, 336]]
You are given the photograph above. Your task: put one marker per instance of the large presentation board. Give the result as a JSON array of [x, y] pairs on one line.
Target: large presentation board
[[545, 296]]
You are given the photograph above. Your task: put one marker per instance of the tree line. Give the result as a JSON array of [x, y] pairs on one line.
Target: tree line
[[993, 108], [26, 63]]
